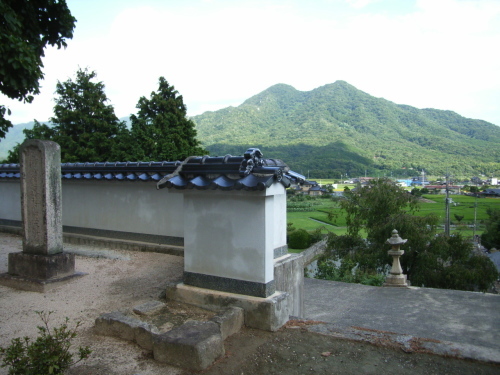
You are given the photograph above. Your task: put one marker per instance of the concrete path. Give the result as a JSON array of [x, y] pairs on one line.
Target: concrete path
[[468, 321]]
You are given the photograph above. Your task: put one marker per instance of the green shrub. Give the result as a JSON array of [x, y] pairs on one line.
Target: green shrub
[[299, 239], [48, 354], [347, 272]]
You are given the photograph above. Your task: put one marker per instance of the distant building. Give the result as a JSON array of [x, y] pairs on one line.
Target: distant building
[[316, 191], [491, 193], [441, 189]]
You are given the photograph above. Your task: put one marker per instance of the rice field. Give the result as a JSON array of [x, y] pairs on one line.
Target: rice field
[[313, 213]]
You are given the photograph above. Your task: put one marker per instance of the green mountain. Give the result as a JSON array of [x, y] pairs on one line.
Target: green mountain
[[14, 136], [337, 129]]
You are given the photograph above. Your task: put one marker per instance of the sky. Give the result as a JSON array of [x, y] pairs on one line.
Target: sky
[[440, 54]]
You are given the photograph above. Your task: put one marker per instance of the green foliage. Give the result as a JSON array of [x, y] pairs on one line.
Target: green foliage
[[299, 239], [380, 207], [26, 28], [416, 192], [161, 127], [85, 127], [491, 236], [372, 205], [48, 354], [450, 263], [347, 272], [336, 129]]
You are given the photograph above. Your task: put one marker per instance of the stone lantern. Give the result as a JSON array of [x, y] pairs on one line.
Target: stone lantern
[[396, 277]]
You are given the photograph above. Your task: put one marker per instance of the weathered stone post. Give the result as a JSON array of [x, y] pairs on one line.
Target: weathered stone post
[[42, 263], [396, 277]]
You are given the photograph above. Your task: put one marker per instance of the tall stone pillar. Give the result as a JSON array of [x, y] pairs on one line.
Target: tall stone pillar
[[41, 197], [42, 263]]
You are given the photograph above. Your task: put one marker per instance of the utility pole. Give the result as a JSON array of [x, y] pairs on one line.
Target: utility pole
[[447, 208], [475, 213]]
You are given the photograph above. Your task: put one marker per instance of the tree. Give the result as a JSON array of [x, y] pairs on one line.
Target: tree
[[85, 127], [491, 236], [161, 127], [450, 263], [370, 205], [26, 28], [439, 262]]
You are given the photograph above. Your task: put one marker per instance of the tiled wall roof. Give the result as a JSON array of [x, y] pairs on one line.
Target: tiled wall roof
[[119, 171], [248, 172]]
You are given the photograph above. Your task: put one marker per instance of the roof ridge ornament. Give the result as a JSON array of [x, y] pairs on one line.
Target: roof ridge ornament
[[253, 157]]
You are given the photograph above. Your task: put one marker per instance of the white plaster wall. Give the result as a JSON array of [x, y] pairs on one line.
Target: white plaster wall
[[122, 206], [280, 220], [10, 200], [119, 206], [232, 233]]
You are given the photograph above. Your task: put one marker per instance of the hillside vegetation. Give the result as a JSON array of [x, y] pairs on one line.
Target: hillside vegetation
[[337, 129]]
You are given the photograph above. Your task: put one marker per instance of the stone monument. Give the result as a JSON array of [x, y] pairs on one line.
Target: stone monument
[[42, 263]]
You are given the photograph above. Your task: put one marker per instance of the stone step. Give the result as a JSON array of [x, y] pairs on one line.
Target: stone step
[[193, 345]]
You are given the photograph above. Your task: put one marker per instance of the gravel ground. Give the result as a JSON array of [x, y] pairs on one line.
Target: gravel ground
[[120, 280]]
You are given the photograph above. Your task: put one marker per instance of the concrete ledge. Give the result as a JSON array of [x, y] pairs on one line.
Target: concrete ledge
[[113, 243], [289, 278], [81, 239], [268, 314], [194, 345], [36, 285]]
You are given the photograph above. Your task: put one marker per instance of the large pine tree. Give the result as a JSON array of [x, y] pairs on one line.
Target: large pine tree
[[84, 125], [161, 127]]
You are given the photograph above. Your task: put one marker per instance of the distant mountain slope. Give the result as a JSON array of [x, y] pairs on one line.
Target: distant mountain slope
[[13, 137], [338, 129]]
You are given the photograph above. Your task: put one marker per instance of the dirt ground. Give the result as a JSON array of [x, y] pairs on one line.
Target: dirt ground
[[120, 280]]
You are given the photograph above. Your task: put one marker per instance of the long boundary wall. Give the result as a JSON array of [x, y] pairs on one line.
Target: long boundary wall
[[133, 211]]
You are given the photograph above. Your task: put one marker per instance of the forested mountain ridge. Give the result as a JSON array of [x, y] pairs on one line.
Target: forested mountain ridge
[[337, 129]]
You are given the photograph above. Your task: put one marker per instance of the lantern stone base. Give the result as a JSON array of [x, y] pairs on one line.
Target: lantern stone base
[[396, 281]]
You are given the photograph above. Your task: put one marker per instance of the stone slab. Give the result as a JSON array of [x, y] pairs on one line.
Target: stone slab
[[230, 321], [194, 345], [268, 314], [121, 325], [149, 308]]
